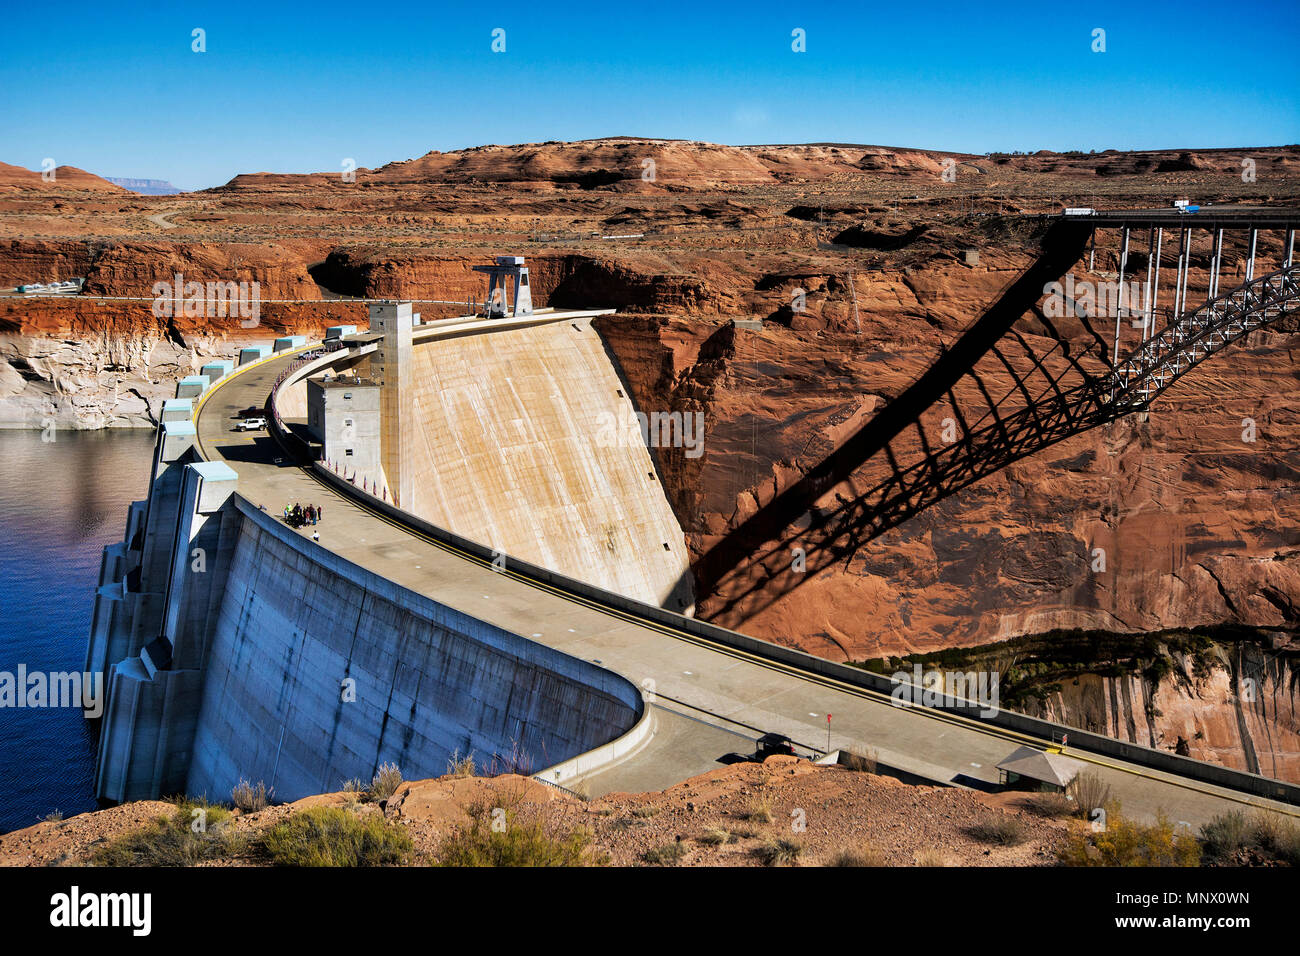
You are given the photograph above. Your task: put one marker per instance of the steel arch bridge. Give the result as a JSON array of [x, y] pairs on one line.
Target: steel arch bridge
[[1195, 336], [863, 489]]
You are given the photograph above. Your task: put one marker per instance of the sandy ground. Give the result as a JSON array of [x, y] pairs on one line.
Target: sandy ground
[[825, 811]]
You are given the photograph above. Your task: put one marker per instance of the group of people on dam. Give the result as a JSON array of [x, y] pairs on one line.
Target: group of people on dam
[[298, 516]]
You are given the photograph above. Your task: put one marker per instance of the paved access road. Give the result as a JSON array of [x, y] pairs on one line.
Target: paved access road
[[709, 700]]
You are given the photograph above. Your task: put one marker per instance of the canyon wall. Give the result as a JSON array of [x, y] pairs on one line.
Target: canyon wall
[[1182, 516], [85, 363], [862, 263], [1241, 713]]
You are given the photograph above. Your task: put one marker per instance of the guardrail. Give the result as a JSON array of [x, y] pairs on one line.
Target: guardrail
[[294, 445]]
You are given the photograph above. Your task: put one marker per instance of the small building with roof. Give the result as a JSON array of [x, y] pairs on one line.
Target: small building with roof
[[1028, 769]]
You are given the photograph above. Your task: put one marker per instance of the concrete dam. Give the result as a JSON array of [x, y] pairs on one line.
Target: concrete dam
[[466, 592], [240, 649]]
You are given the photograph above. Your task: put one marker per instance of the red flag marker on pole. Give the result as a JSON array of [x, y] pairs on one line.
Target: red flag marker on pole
[[828, 734]]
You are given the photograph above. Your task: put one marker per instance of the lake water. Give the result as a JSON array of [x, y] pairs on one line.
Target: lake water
[[60, 502]]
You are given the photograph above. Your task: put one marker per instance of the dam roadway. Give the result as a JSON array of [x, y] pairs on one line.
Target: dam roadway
[[705, 699]]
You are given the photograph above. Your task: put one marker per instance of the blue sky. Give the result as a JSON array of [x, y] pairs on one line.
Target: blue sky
[[117, 89]]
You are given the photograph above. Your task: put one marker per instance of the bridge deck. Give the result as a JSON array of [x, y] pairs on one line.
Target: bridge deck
[[713, 699], [1207, 217]]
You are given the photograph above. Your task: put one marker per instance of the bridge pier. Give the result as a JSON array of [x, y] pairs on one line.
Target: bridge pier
[[1155, 284], [1119, 299], [1290, 246], [1250, 261], [1146, 292], [1216, 263], [1184, 267]]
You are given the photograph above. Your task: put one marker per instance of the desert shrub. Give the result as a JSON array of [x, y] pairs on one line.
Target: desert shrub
[[715, 836], [250, 798], [865, 856], [1225, 835], [330, 836], [1264, 834], [54, 816], [1051, 805], [514, 844], [758, 811], [781, 852], [669, 854], [931, 858], [1090, 792], [182, 839], [517, 761], [1277, 838], [385, 782], [1125, 842], [458, 766], [644, 813], [1002, 831]]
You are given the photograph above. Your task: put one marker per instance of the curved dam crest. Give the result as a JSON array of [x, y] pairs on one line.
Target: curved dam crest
[[523, 439], [271, 658]]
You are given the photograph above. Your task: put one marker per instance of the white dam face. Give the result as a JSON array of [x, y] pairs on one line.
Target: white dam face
[[511, 449]]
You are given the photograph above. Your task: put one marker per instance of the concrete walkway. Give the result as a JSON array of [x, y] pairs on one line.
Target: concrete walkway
[[710, 700]]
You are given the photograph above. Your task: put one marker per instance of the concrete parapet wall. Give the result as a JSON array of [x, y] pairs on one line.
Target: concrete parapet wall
[[298, 621], [603, 756]]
